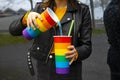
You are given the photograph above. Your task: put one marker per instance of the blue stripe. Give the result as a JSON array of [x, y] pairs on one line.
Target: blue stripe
[[31, 32], [62, 64]]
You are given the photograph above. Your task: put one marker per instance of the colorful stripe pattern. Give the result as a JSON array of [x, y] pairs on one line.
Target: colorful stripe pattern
[[60, 45], [49, 19]]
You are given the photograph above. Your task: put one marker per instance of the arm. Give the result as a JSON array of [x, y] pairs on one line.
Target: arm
[[84, 42], [17, 26]]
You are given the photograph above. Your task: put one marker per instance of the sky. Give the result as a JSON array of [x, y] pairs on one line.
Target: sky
[[16, 4], [25, 4]]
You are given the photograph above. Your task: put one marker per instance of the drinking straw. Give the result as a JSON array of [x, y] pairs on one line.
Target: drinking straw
[[60, 28], [71, 26]]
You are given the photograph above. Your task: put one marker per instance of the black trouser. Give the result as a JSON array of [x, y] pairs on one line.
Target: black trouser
[[115, 71], [113, 61], [46, 71]]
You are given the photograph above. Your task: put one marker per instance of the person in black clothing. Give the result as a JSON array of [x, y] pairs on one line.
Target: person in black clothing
[[112, 26], [41, 50]]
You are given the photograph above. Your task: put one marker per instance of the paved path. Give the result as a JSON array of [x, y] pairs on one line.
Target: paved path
[[5, 22], [95, 67], [13, 61]]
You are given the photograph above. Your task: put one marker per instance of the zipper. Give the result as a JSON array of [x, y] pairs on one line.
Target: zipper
[[50, 48]]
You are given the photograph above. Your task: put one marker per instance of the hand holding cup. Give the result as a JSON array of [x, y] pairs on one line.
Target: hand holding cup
[[39, 23], [71, 54], [31, 20]]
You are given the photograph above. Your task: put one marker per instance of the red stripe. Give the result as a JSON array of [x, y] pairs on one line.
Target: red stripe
[[48, 18], [62, 39]]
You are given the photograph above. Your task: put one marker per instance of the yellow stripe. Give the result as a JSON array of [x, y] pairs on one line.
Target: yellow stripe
[[41, 26], [45, 22], [61, 52], [61, 45]]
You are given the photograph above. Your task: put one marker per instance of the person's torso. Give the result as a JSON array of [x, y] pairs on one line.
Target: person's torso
[[44, 42]]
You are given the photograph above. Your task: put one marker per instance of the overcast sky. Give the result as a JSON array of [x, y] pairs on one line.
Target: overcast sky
[[17, 4], [25, 4]]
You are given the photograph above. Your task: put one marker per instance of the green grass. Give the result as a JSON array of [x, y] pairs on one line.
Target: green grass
[[7, 39], [98, 31]]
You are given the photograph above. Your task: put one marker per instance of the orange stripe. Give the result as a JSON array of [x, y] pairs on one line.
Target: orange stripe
[[45, 22], [41, 27], [61, 45]]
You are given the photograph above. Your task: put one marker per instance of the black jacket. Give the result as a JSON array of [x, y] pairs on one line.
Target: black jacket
[[112, 26], [81, 33]]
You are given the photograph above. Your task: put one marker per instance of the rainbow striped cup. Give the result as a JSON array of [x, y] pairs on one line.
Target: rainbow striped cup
[[61, 44], [49, 19]]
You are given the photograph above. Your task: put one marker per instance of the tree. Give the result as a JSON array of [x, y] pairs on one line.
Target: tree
[[92, 12], [31, 3], [103, 3]]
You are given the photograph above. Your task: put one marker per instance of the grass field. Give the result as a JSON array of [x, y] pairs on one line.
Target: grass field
[[98, 31], [7, 39]]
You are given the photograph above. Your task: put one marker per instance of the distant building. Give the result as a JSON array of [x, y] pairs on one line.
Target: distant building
[[1, 12], [21, 11], [9, 11], [6, 13]]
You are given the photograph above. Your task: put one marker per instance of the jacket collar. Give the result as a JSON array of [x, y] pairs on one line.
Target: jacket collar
[[70, 8], [69, 13]]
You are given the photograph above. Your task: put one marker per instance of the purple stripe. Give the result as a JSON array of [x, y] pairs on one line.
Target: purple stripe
[[62, 70], [26, 35]]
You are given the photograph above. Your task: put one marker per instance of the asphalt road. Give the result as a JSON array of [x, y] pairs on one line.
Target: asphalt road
[[13, 64], [5, 22], [95, 67]]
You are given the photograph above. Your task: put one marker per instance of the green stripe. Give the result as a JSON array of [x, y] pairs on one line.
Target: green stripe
[[37, 31], [61, 59]]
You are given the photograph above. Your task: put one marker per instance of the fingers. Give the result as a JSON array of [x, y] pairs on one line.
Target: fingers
[[71, 61], [31, 20], [34, 23], [40, 17], [71, 54], [33, 26]]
